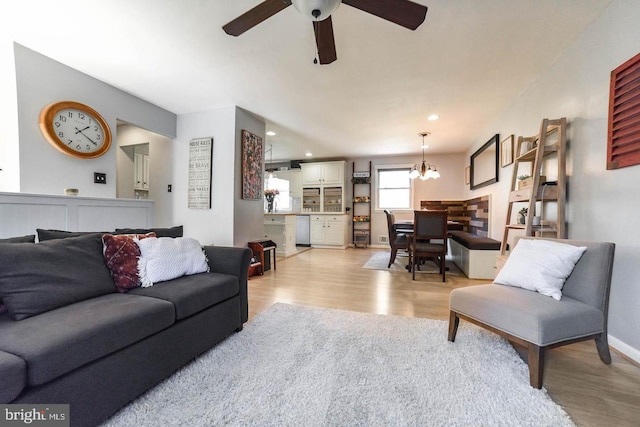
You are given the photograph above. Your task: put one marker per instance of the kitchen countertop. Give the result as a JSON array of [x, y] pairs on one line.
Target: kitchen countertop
[[281, 213]]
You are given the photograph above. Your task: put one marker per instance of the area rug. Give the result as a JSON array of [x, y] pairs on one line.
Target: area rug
[[380, 261], [296, 365]]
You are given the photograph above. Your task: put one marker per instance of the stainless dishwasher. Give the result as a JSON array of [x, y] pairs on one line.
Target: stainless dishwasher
[[302, 230]]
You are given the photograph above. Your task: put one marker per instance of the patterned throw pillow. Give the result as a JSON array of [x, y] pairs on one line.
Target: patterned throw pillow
[[121, 254]]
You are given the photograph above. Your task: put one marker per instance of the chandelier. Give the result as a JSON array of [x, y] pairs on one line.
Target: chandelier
[[426, 170]]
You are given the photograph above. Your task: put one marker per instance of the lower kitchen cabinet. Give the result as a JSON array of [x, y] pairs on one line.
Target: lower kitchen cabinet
[[328, 230]]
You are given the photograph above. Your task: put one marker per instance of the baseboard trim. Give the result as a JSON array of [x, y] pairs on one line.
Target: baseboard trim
[[624, 348]]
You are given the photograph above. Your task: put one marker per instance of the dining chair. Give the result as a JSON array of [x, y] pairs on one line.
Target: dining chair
[[396, 240], [428, 226]]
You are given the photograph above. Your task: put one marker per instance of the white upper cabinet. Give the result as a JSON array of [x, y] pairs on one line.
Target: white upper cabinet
[[323, 173]]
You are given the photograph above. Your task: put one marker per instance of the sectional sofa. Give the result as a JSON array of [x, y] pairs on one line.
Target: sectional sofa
[[70, 336]]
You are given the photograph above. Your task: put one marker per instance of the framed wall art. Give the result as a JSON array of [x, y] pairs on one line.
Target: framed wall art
[[200, 160], [485, 164], [252, 161], [506, 151]]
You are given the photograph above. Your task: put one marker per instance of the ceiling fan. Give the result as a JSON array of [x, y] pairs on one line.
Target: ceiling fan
[[402, 12]]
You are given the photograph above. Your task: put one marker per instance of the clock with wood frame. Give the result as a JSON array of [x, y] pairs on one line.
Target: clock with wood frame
[[75, 129]]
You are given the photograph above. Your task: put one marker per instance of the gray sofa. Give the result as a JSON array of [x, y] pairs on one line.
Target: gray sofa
[[85, 344]]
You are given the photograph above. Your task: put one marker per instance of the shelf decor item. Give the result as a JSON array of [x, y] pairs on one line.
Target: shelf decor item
[[522, 213]]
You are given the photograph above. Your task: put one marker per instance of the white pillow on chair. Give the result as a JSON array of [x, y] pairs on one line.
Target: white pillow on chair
[[540, 265]]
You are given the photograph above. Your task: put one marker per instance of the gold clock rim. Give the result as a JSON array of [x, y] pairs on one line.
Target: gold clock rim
[[45, 121]]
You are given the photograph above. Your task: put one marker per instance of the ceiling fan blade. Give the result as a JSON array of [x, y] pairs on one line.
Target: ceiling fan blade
[[253, 17], [402, 12], [325, 41]]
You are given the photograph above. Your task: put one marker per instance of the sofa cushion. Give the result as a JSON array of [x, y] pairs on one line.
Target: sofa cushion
[[44, 235], [31, 238], [13, 371], [191, 294], [22, 239], [121, 254], [176, 231], [166, 258], [58, 341], [473, 241], [35, 278], [545, 320]]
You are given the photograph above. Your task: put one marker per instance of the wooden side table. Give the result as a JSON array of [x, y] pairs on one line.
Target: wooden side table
[[259, 247]]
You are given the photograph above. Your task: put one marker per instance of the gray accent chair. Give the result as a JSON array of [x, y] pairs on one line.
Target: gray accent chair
[[538, 322]]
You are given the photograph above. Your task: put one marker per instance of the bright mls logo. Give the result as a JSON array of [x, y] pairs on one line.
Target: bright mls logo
[[34, 415]]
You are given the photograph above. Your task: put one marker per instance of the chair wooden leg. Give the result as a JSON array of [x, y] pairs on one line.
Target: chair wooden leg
[[536, 365], [602, 344], [392, 259], [442, 269], [454, 321]]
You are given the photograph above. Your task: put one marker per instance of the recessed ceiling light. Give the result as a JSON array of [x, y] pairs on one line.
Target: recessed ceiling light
[[271, 133], [425, 146], [433, 117], [308, 154]]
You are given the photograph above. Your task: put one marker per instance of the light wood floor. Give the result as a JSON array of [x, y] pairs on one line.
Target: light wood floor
[[594, 394]]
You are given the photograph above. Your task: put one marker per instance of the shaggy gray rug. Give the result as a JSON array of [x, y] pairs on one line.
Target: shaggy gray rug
[[295, 366]]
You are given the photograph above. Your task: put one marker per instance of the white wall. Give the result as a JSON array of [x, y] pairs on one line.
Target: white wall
[[601, 205], [9, 136], [160, 169], [450, 185], [248, 214], [215, 225], [41, 81]]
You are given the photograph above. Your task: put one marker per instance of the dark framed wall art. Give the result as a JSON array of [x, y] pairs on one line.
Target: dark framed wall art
[[252, 161]]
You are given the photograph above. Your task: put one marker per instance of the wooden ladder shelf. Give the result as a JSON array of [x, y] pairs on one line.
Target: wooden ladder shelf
[[533, 152]]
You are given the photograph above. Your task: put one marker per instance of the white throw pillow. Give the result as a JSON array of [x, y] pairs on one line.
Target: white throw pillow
[[540, 265], [166, 258]]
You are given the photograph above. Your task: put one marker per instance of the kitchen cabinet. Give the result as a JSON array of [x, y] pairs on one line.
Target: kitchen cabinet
[[328, 230], [294, 177], [141, 171], [323, 199], [323, 187], [295, 183], [323, 173], [281, 228]]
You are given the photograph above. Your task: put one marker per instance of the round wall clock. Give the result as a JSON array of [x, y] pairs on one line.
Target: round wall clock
[[75, 129]]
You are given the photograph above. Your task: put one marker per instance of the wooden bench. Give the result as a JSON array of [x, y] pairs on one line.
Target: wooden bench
[[474, 255]]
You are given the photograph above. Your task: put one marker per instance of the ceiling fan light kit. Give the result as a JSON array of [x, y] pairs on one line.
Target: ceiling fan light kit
[[316, 10], [402, 12]]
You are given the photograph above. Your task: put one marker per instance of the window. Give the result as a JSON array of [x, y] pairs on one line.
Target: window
[[393, 187], [282, 200], [623, 143]]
